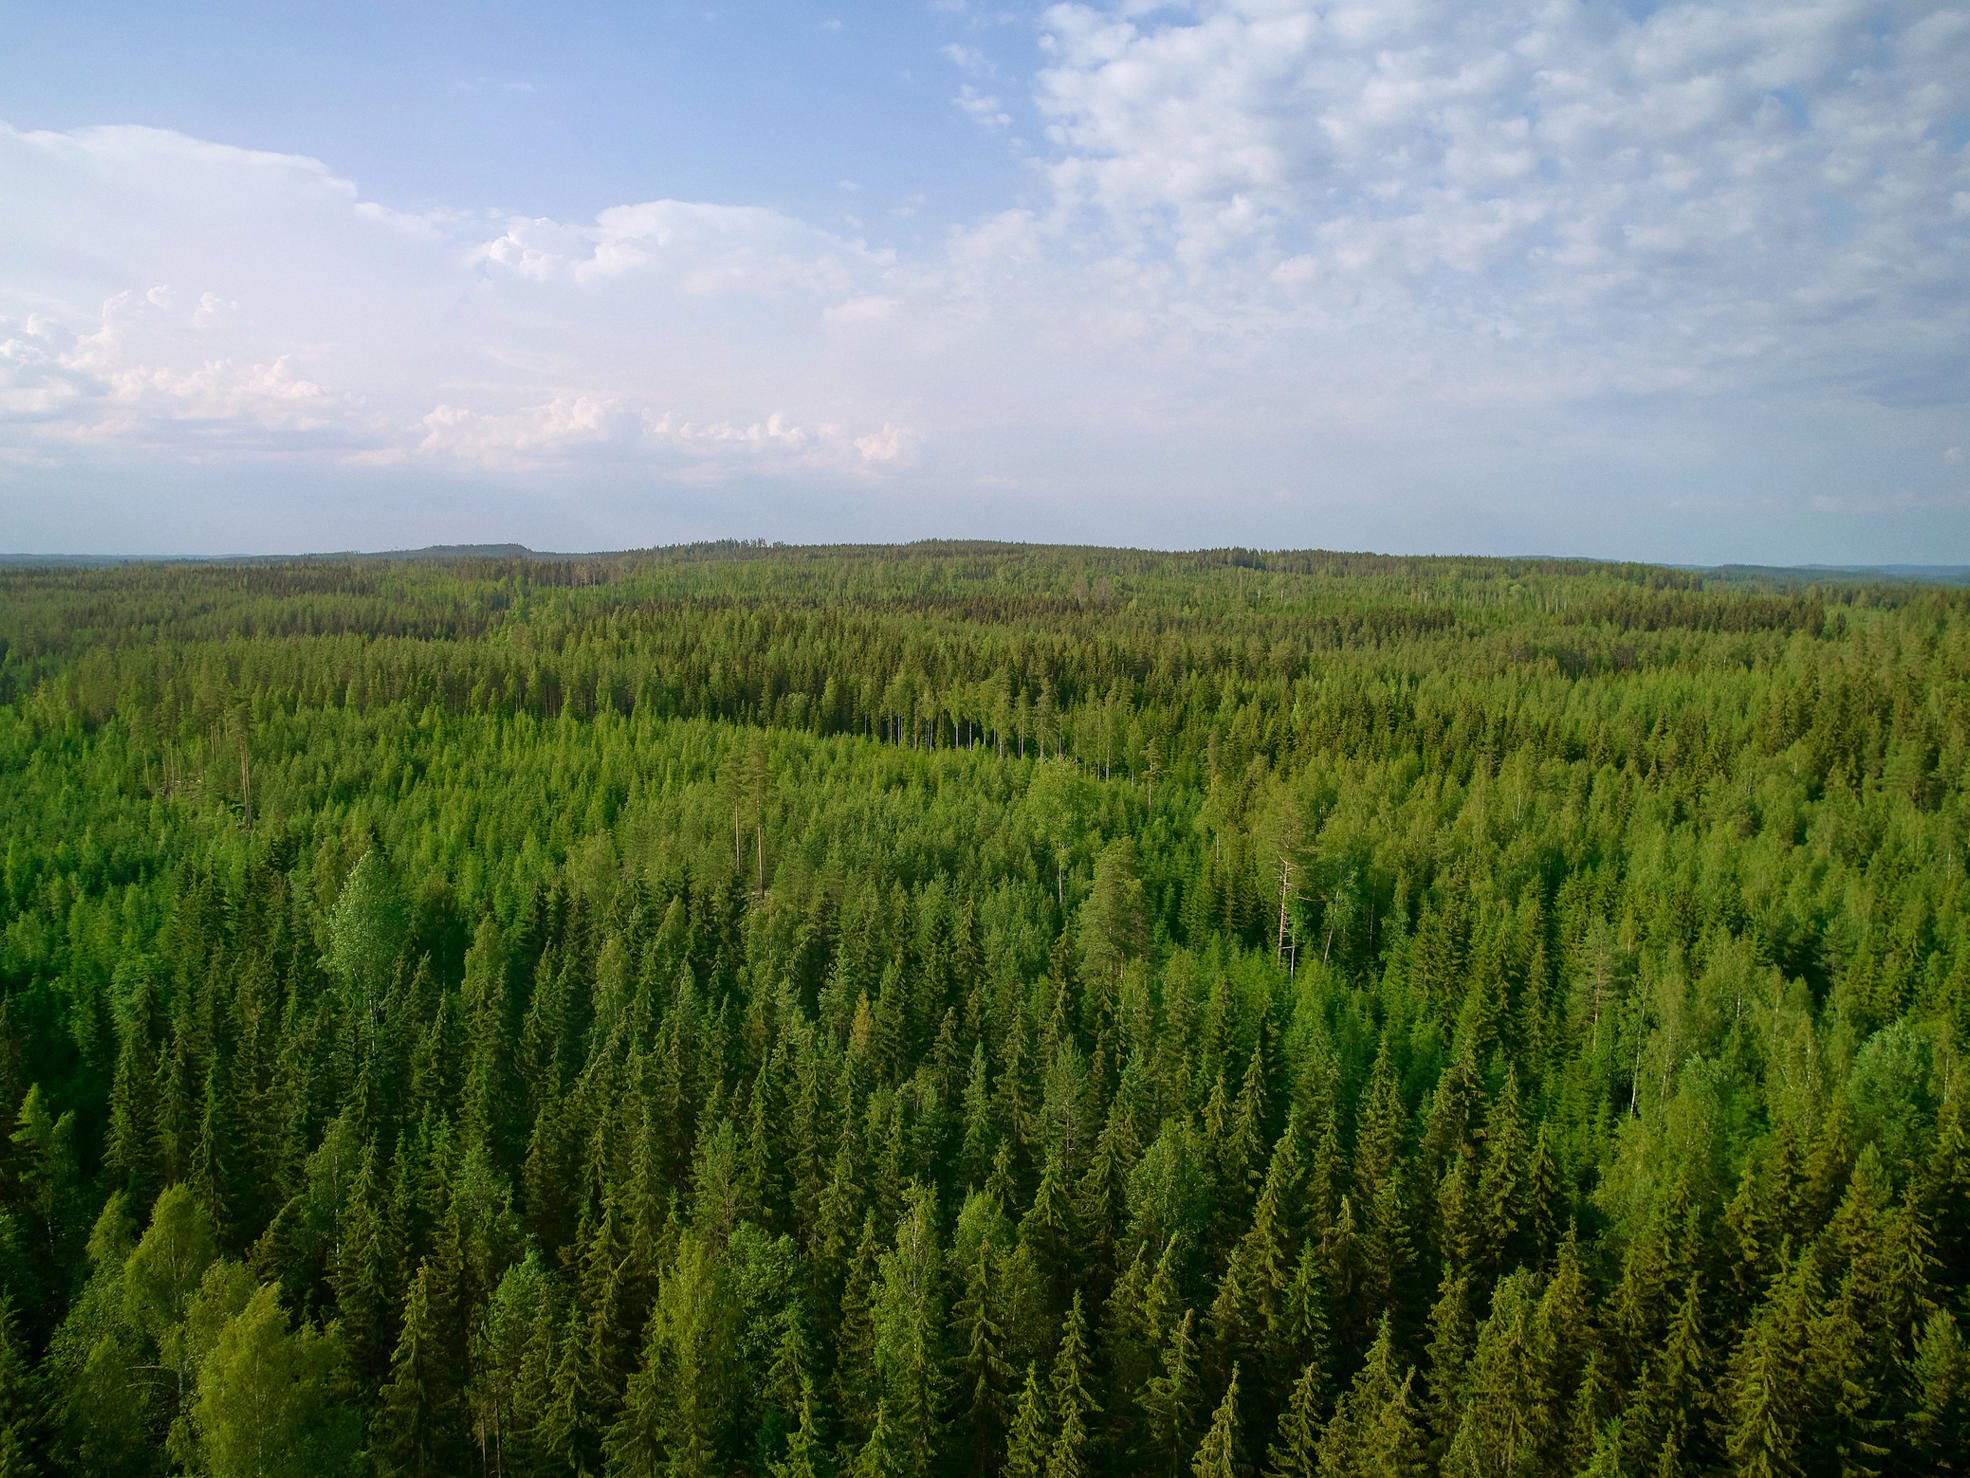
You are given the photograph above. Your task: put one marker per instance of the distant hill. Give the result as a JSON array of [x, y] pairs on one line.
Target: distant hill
[[1814, 574], [430, 551], [453, 551]]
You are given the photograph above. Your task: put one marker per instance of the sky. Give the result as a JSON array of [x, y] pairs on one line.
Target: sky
[[1575, 277]]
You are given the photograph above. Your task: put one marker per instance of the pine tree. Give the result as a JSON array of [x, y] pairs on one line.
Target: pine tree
[[1460, 1231], [1067, 1458], [1667, 1413], [367, 928], [177, 1107], [489, 1093], [1847, 1425], [1112, 924], [566, 1431], [606, 1298], [1384, 1123], [787, 1385], [981, 1135], [46, 1173], [1641, 1303], [1746, 1242], [1127, 1350], [1942, 1182], [1546, 1210], [1248, 1313], [678, 1405], [1501, 1188], [1101, 1191], [1386, 1252]]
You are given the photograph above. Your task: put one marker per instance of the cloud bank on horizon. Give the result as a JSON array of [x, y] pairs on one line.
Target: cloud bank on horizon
[[1687, 283]]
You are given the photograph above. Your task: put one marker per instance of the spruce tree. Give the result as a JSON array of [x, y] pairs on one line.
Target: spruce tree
[[1170, 1401], [1028, 1442], [20, 1401], [805, 1456], [1217, 1454], [1296, 1446], [1939, 1376], [1073, 1404], [985, 1379], [420, 1418]]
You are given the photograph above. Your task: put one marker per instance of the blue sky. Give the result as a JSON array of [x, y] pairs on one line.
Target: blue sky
[[540, 111], [1682, 282]]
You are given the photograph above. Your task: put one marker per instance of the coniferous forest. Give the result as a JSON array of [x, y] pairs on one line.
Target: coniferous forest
[[982, 1010]]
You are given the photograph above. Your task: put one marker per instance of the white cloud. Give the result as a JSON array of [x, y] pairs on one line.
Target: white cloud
[[252, 302], [533, 434], [968, 59], [891, 444], [872, 308], [1680, 185], [697, 249], [587, 431], [982, 108], [144, 373]]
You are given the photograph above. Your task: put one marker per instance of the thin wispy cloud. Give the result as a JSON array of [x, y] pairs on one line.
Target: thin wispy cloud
[[968, 59]]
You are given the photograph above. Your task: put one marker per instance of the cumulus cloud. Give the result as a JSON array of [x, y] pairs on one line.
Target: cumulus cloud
[[146, 373], [232, 300]]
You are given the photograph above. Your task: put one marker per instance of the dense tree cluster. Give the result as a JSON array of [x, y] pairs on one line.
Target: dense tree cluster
[[974, 1009]]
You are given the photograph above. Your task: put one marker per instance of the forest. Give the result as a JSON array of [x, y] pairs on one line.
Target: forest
[[967, 1009]]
